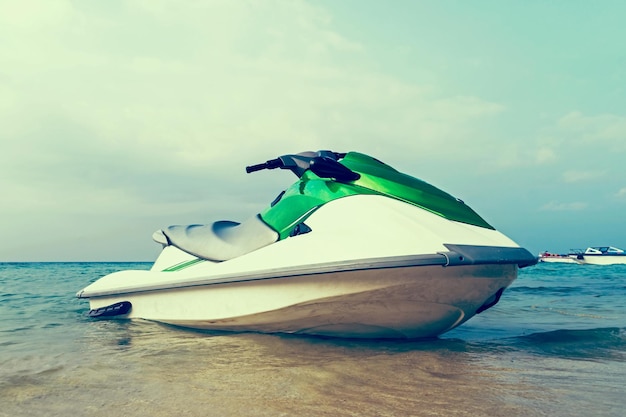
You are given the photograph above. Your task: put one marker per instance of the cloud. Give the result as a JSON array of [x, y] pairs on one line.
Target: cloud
[[584, 142], [545, 155], [557, 206], [621, 193], [572, 176], [606, 130]]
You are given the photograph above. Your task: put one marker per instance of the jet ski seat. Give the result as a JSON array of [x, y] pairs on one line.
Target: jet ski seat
[[219, 241]]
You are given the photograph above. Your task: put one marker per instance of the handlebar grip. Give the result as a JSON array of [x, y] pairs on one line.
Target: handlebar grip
[[271, 164], [254, 168]]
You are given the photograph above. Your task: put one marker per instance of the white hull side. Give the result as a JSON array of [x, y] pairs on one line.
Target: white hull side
[[403, 302], [602, 260], [555, 259]]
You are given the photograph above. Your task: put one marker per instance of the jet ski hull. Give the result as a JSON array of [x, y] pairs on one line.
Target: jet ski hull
[[400, 302]]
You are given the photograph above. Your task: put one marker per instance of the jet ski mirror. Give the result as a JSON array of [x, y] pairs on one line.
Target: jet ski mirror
[[325, 167]]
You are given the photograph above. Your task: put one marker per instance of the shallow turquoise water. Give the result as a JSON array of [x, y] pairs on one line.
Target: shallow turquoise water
[[554, 345]]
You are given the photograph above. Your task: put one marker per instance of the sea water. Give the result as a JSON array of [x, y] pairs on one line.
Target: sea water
[[555, 345]]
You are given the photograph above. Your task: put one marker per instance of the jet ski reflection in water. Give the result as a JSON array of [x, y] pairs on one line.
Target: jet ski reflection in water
[[354, 248]]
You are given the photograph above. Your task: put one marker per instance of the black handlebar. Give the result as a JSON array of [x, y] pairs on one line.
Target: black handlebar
[[271, 164], [322, 163]]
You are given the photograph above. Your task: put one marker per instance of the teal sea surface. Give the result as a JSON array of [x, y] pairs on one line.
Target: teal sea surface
[[555, 345]]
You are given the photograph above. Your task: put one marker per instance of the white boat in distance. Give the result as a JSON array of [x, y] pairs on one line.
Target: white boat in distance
[[353, 248], [600, 255], [556, 258]]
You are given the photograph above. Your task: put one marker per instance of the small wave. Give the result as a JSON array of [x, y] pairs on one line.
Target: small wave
[[592, 344], [588, 335], [544, 290], [565, 312]]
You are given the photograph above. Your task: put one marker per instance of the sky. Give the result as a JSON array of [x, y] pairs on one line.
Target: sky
[[120, 117]]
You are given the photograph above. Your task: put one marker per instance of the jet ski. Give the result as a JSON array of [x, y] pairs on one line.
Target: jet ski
[[354, 248]]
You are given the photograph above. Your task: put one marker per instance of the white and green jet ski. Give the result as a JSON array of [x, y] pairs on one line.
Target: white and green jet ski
[[354, 248]]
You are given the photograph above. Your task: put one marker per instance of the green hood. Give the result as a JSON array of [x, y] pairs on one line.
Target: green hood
[[310, 192]]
